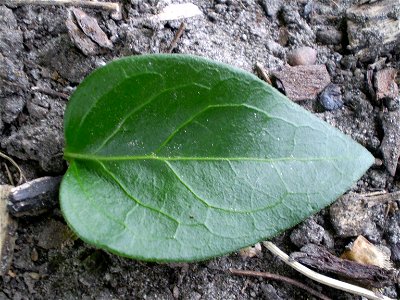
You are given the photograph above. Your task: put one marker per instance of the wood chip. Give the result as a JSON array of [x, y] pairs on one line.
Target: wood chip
[[302, 82], [322, 260], [91, 28], [385, 84]]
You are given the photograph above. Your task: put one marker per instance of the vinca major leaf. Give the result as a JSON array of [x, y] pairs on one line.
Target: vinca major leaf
[[179, 158]]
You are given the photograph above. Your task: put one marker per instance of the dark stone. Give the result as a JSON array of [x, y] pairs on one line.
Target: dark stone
[[331, 97]]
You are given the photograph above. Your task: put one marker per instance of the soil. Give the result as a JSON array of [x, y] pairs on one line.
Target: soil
[[37, 55]]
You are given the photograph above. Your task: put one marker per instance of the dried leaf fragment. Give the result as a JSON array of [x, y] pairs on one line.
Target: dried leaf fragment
[[79, 38], [91, 28], [363, 252], [178, 11], [251, 251]]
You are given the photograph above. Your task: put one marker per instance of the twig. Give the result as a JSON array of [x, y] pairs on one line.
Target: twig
[[115, 7], [50, 92], [262, 73], [280, 278], [10, 179], [21, 174], [177, 36], [337, 284]]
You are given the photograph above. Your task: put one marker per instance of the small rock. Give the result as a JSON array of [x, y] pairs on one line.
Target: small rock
[[302, 56], [34, 255], [390, 146], [302, 82], [331, 97], [329, 36], [38, 107], [385, 84], [12, 76], [269, 292], [271, 7], [275, 48], [350, 217], [307, 232], [11, 40], [393, 235], [11, 107], [34, 275], [395, 249]]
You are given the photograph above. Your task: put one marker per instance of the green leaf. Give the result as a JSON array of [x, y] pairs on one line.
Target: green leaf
[[179, 158]]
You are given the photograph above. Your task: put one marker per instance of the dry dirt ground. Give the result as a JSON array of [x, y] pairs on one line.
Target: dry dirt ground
[[38, 57]]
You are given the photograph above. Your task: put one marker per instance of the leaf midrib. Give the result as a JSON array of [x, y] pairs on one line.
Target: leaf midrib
[[88, 157]]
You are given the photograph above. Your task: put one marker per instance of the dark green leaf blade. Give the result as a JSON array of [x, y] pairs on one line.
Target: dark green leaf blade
[[178, 158]]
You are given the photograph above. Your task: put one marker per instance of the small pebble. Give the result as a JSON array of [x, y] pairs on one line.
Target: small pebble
[[331, 97], [302, 56], [329, 37], [34, 275], [34, 255]]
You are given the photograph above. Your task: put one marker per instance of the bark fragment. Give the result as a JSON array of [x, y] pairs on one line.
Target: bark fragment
[[373, 28], [302, 82], [322, 260]]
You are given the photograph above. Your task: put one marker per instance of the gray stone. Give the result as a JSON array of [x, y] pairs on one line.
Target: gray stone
[[38, 143], [307, 232], [329, 36], [10, 35], [350, 217], [12, 76], [271, 7], [393, 236], [11, 107], [390, 146]]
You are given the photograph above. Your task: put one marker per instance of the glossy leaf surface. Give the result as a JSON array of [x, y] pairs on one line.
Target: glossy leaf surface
[[178, 158]]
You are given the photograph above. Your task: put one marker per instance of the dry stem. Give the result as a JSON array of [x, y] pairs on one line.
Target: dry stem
[[280, 278], [115, 7]]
